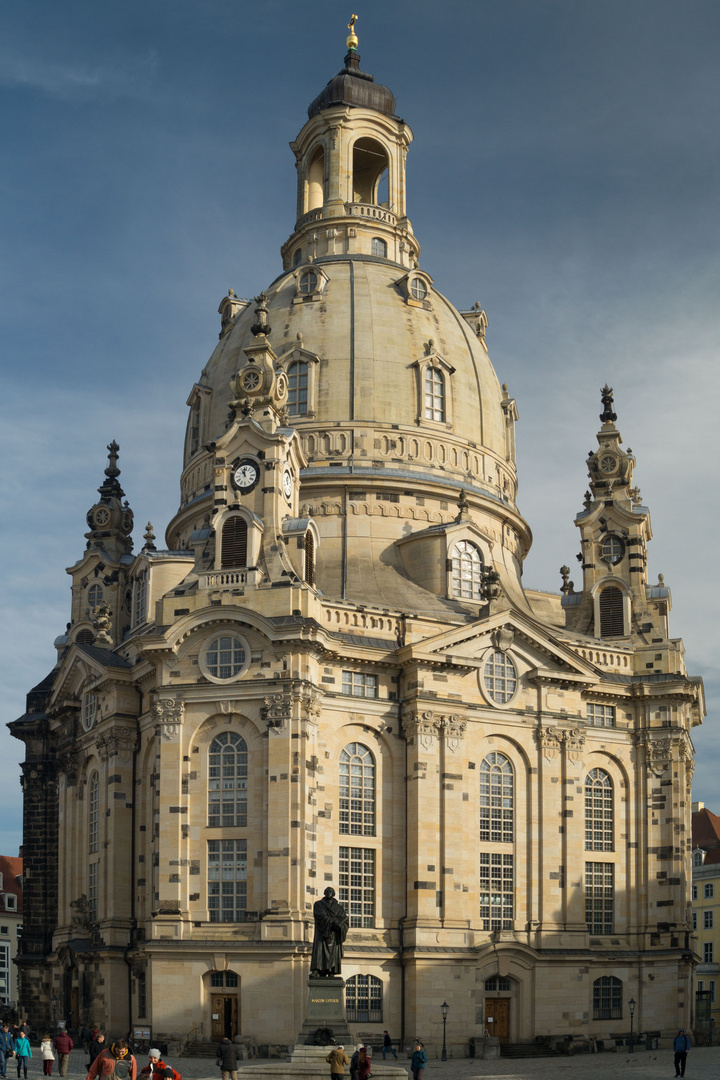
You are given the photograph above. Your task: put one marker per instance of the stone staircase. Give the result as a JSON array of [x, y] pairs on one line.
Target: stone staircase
[[200, 1050], [527, 1050]]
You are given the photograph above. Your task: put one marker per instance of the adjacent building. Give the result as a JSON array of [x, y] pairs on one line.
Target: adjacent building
[[706, 916], [11, 922], [333, 673]]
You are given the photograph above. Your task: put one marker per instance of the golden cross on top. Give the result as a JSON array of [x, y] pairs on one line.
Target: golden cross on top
[[352, 41]]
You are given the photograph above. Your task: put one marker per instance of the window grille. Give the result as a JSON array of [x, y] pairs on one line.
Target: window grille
[[227, 781], [599, 811], [612, 622], [496, 799], [599, 897], [227, 880], [356, 884], [233, 551]]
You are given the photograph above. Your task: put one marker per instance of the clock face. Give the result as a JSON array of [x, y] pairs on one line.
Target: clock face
[[608, 463], [246, 475], [287, 484]]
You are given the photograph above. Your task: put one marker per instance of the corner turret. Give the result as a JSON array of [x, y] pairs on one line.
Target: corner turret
[[616, 601], [100, 592]]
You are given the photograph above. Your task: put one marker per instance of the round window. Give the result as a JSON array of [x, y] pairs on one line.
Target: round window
[[308, 282], [499, 677], [226, 657], [418, 288], [612, 549]]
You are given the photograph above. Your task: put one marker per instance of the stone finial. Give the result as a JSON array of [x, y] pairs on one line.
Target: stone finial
[[149, 538], [113, 453], [261, 326], [567, 586], [587, 500], [661, 580], [101, 623], [463, 505], [490, 587], [607, 416], [429, 347]]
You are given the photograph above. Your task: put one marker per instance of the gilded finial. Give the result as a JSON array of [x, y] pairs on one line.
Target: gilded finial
[[352, 41]]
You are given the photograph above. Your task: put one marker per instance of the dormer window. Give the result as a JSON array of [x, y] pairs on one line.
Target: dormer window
[[297, 257], [434, 394], [418, 288], [308, 282], [466, 567], [297, 374]]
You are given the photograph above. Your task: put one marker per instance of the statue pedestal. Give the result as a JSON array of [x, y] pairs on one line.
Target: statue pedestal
[[325, 1009]]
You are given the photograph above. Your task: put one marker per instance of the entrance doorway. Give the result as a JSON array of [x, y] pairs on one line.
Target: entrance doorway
[[497, 1018], [225, 1019]]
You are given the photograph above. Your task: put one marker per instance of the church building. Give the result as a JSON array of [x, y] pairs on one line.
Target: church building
[[333, 674]]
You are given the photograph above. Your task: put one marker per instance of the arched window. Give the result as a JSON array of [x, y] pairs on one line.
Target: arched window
[[370, 161], [93, 812], [227, 781], [85, 637], [316, 180], [466, 566], [434, 383], [309, 557], [598, 811], [95, 595], [612, 623], [357, 791], [378, 247], [297, 374], [496, 799], [234, 543], [607, 998], [363, 999]]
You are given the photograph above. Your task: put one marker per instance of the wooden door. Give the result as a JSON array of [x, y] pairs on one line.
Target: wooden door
[[224, 1013], [497, 1018]]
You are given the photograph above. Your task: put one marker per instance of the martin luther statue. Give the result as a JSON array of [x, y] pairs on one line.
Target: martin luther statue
[[331, 927]]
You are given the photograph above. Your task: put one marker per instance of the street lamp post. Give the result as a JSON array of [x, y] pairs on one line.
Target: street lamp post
[[631, 1007], [444, 1010]]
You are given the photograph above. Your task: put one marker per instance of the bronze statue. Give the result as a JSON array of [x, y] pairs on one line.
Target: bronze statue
[[331, 927]]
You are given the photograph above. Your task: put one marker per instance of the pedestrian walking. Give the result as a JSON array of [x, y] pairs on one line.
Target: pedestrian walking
[[227, 1059], [96, 1047], [63, 1044], [418, 1061], [337, 1059], [7, 1046], [22, 1054], [48, 1057], [388, 1046], [681, 1047], [114, 1063], [86, 1037]]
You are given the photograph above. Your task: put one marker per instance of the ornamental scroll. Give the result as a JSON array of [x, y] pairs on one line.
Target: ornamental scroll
[[168, 714]]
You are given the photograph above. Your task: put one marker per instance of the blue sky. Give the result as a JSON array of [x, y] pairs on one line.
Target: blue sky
[[565, 172]]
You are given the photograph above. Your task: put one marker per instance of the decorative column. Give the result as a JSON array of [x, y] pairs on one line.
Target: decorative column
[[455, 849], [422, 729], [171, 826]]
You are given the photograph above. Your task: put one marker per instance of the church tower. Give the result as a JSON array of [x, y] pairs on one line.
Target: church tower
[[333, 674]]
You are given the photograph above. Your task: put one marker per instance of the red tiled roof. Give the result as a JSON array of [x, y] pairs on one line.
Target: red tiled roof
[[705, 830], [712, 856], [11, 869]]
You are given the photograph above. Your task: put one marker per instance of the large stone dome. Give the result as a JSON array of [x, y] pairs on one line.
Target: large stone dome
[[389, 387]]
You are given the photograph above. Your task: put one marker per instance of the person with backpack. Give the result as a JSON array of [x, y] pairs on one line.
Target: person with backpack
[[7, 1047], [115, 1063]]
